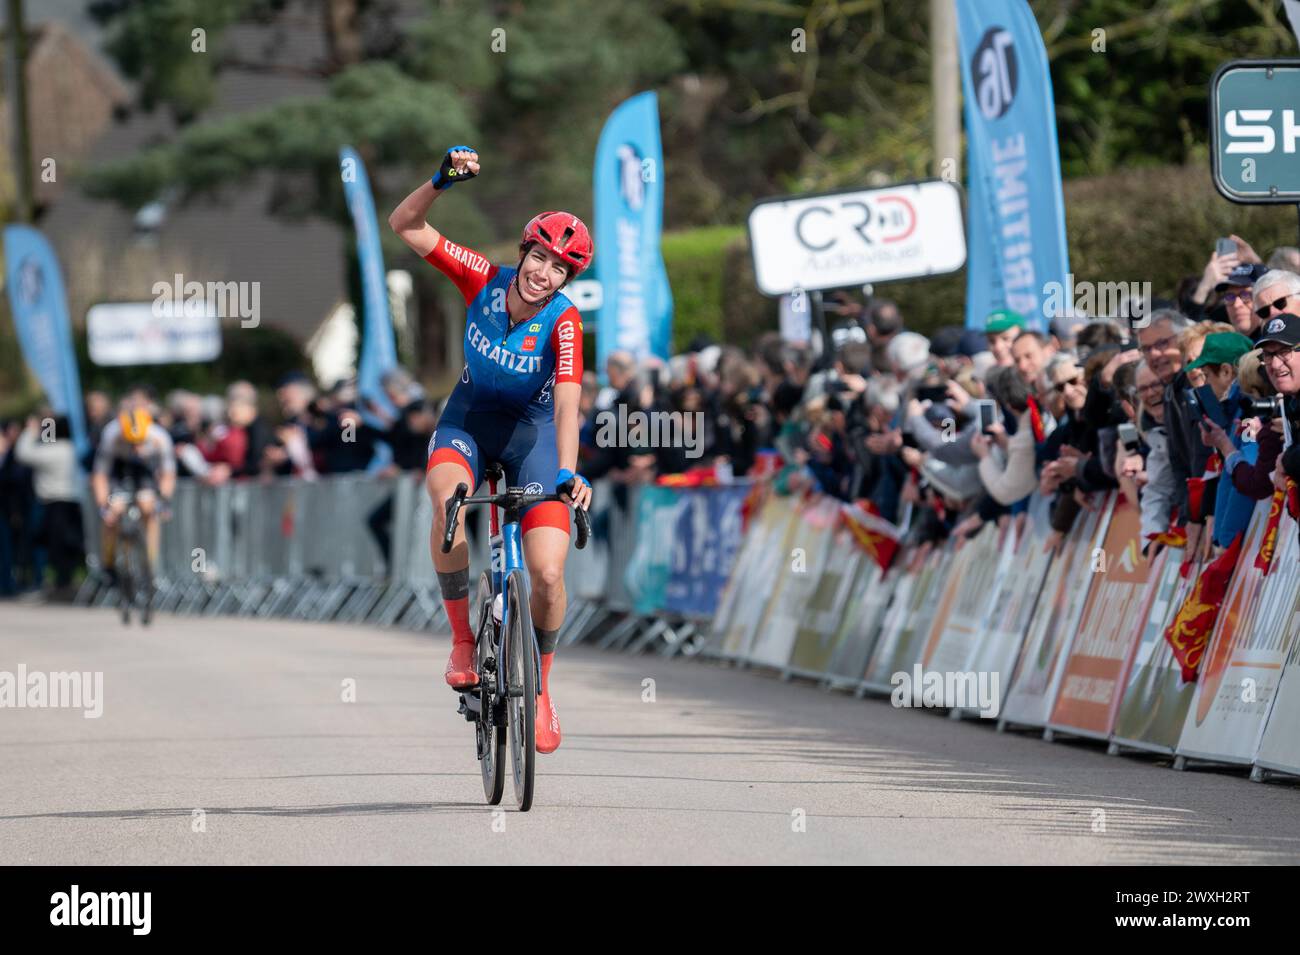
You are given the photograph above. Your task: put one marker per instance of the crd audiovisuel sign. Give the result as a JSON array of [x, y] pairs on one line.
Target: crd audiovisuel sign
[[845, 239], [1255, 124]]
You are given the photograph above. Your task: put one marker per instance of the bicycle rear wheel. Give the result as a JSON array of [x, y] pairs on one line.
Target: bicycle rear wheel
[[521, 671], [489, 731]]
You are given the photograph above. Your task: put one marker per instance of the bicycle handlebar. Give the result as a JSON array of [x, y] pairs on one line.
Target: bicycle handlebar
[[508, 498]]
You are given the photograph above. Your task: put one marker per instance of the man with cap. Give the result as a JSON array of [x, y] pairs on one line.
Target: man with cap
[[1237, 295], [1001, 329], [1279, 342], [1218, 359]]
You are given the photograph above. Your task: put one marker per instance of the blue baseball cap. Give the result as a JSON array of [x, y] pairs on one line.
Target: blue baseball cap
[[1243, 276]]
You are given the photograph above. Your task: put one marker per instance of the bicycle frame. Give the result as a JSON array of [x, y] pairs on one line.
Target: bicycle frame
[[506, 546], [505, 540]]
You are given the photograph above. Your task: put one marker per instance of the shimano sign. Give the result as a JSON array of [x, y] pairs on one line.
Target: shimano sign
[[1255, 123], [845, 239]]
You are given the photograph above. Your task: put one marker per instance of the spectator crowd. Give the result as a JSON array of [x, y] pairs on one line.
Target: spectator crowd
[[1185, 404]]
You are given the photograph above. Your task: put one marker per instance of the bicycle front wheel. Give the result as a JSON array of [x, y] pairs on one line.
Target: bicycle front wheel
[[490, 736], [520, 653], [126, 575]]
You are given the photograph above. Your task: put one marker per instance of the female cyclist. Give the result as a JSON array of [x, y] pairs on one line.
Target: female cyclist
[[516, 403]]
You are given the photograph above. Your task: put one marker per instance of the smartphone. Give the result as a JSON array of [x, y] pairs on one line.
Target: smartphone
[[986, 413], [1207, 403], [1128, 436], [1225, 246]]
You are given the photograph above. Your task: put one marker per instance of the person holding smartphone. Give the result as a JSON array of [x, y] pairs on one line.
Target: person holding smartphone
[[1229, 252]]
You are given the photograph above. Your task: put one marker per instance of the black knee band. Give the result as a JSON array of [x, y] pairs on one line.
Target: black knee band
[[547, 640], [454, 585]]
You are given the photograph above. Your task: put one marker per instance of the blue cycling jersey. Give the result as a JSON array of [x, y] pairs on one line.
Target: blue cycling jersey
[[510, 368]]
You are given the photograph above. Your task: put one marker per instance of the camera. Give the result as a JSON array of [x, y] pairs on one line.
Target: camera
[[1265, 408]]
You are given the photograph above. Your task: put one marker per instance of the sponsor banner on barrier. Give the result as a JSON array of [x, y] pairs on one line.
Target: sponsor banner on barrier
[[801, 566], [1051, 627], [755, 577], [862, 621], [1239, 674], [705, 539], [815, 640], [647, 574], [1280, 747], [1026, 557], [1118, 604], [1155, 701], [907, 623], [960, 620]]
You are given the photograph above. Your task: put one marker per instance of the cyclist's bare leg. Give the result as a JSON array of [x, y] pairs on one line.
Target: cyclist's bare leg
[[453, 570], [148, 504], [441, 482], [108, 537], [545, 550]]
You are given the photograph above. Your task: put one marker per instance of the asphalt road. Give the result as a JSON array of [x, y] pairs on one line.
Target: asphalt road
[[245, 721]]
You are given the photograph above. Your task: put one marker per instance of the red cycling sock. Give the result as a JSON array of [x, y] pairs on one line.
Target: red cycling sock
[[458, 615], [547, 660]]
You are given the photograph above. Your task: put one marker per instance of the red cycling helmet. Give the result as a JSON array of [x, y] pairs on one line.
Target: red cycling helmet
[[563, 234]]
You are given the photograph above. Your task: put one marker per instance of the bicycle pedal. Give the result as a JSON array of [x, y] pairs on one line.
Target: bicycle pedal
[[469, 708]]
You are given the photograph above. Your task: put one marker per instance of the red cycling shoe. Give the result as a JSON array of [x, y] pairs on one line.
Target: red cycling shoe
[[460, 668], [547, 724]]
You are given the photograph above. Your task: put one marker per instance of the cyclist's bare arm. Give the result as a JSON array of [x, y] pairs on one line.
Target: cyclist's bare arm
[[103, 458], [167, 464], [567, 395], [99, 486], [410, 219]]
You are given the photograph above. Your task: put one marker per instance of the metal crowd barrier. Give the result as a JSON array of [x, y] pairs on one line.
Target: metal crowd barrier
[[305, 550]]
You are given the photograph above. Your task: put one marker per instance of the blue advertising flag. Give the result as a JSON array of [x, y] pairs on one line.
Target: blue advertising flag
[[40, 310], [1017, 213], [378, 349], [637, 312]]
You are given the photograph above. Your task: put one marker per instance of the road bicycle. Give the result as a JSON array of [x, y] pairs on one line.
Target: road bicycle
[[503, 704]]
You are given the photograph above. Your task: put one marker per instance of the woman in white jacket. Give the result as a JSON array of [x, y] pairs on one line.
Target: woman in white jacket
[[1008, 470]]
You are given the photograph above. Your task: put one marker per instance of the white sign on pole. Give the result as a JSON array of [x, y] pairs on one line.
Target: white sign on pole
[[796, 319], [844, 239], [146, 333]]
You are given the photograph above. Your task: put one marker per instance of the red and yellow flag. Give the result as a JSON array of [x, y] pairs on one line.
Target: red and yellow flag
[[1172, 536], [1264, 559], [873, 533], [1190, 630]]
